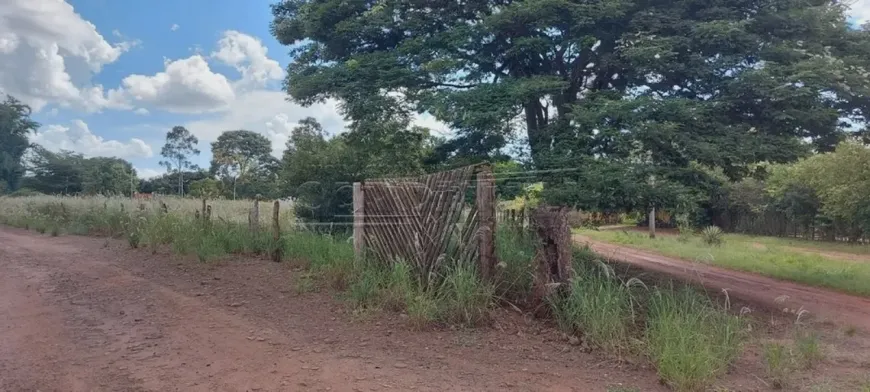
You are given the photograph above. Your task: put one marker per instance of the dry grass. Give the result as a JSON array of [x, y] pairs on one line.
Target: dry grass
[[235, 211]]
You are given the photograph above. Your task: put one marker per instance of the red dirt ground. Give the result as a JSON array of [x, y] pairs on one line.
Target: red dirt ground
[[84, 314], [824, 305], [87, 314]]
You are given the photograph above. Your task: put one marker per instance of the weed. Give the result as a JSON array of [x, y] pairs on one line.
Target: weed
[[365, 291], [600, 307], [689, 340], [515, 250], [422, 310], [465, 298], [401, 288], [778, 363], [713, 236], [304, 283], [808, 348]]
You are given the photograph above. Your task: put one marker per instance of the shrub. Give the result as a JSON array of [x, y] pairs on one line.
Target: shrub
[[713, 236]]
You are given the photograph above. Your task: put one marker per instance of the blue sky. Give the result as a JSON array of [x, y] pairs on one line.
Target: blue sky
[[111, 77], [108, 77]]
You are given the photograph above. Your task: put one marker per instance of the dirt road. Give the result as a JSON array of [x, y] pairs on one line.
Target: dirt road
[[84, 314], [824, 305]]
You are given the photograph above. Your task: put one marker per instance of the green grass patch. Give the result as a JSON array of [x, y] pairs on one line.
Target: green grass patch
[[515, 250], [690, 341], [599, 307], [747, 254], [779, 364]]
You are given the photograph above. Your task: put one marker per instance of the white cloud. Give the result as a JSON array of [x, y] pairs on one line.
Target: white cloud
[[249, 56], [174, 27], [148, 173], [185, 86], [269, 113], [79, 138], [48, 53], [141, 111], [860, 10], [438, 128]]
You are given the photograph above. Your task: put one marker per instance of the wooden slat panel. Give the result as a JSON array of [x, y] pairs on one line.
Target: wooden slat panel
[[418, 218]]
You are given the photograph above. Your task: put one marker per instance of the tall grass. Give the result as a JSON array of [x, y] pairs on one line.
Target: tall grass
[[147, 226], [690, 341], [599, 307], [515, 250]]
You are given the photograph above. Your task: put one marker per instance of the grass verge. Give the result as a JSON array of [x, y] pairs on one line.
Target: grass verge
[[740, 253]]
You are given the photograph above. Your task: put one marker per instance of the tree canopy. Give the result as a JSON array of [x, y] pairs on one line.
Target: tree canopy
[[180, 145], [68, 173], [15, 126], [242, 156], [643, 88]]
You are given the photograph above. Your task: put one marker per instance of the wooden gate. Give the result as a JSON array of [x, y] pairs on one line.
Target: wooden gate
[[427, 220]]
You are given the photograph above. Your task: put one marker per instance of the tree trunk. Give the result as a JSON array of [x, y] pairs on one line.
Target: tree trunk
[[652, 222], [535, 130]]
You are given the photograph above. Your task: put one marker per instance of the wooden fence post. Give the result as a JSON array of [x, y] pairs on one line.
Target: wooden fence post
[[552, 264], [277, 247], [358, 221], [486, 221], [254, 217]]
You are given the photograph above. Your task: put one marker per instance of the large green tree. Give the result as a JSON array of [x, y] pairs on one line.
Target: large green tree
[[108, 176], [623, 91], [15, 126], [60, 172], [67, 172], [318, 170], [240, 156], [180, 145]]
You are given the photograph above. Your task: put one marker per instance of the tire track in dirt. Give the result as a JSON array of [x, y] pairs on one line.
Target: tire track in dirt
[[85, 314], [824, 305]]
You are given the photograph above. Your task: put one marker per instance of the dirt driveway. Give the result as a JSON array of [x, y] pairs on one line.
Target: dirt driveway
[[83, 314], [824, 305]]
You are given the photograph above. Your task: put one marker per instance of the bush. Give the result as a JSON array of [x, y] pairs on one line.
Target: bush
[[713, 236]]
